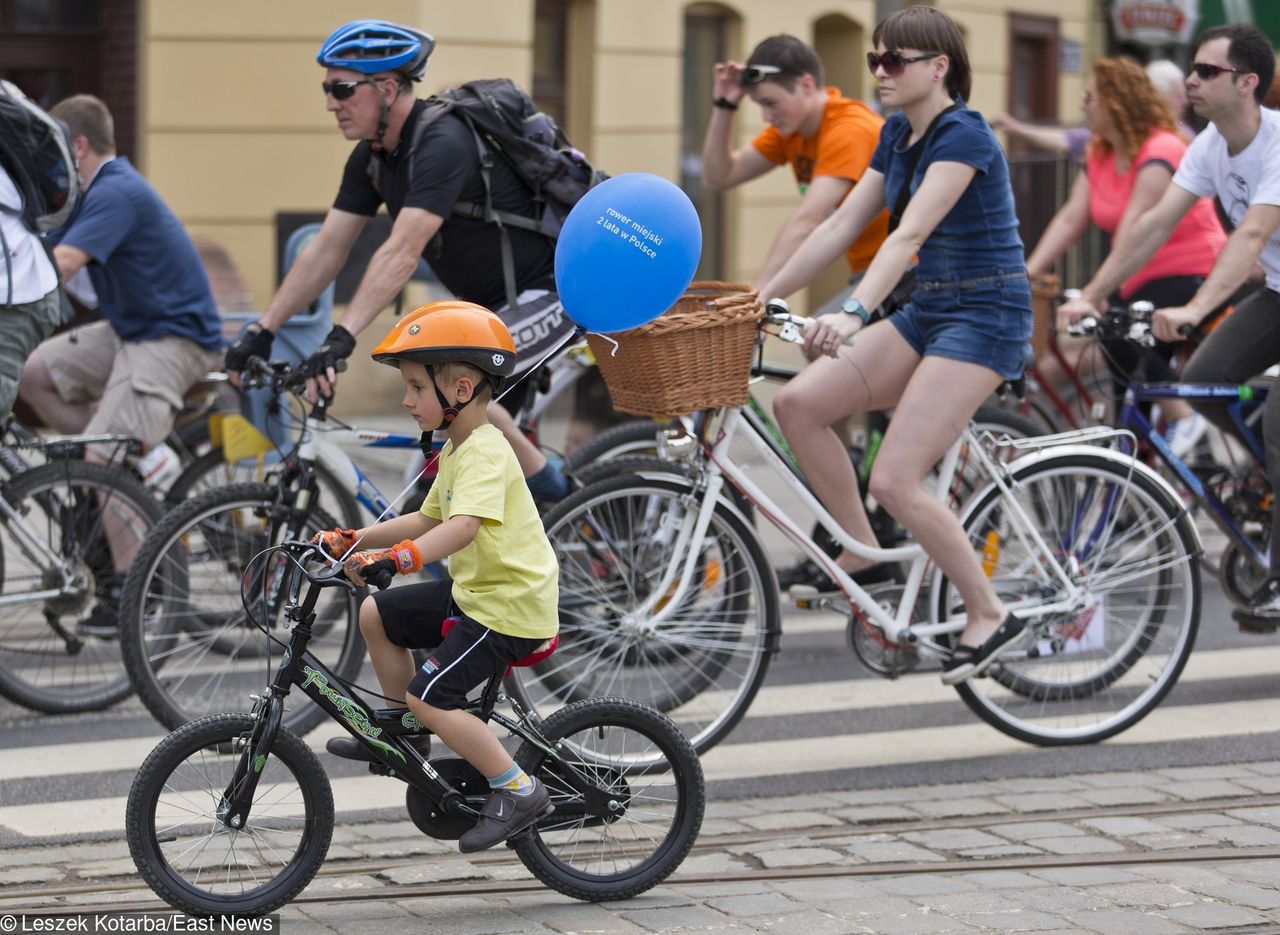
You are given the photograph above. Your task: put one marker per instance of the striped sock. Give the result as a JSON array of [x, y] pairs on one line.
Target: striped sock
[[513, 780]]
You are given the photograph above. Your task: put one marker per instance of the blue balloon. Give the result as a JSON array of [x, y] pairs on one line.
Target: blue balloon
[[627, 252]]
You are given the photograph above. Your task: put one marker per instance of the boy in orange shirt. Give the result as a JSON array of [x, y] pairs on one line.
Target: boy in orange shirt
[[826, 138]]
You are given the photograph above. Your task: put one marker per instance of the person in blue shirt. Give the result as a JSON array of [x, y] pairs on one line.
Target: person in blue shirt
[[160, 333], [942, 174]]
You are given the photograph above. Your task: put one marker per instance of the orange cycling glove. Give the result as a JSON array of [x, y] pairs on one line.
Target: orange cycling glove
[[402, 558], [337, 542]]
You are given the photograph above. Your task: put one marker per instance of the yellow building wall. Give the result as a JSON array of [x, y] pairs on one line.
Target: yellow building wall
[[233, 127]]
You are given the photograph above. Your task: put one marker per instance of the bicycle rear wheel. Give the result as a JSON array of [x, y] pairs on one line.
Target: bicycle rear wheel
[[702, 661], [46, 662], [1100, 666], [191, 858], [190, 646], [651, 775]]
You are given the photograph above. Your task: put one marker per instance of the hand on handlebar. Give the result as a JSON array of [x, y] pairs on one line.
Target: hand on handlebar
[[826, 334], [336, 542], [320, 370], [1173, 324], [1071, 311], [255, 341], [378, 567]]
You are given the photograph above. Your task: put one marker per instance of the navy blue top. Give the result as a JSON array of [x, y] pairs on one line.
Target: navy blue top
[[145, 269], [979, 235]]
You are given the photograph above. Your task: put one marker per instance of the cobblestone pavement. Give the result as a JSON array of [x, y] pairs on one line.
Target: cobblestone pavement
[[1174, 850]]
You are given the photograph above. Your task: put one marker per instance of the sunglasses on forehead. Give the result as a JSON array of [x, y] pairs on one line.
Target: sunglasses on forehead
[[894, 62], [1206, 72], [754, 74], [341, 90]]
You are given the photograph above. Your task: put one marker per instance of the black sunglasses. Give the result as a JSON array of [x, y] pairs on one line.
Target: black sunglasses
[[341, 90], [894, 62], [1206, 72], [754, 74]]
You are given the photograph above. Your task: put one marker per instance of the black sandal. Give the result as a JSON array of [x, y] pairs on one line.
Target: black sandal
[[968, 661]]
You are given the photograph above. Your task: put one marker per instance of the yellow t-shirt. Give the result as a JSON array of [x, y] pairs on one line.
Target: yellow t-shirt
[[843, 146], [507, 578]]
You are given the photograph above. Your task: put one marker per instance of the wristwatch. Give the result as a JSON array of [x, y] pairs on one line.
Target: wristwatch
[[852, 306], [725, 104]]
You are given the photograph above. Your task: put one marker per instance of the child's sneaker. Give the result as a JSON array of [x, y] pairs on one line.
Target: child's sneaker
[[504, 814], [1184, 434]]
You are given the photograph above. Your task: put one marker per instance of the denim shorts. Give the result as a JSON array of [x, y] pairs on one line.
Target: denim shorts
[[984, 320]]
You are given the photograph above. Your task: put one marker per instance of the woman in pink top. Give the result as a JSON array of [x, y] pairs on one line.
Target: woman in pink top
[[1132, 158]]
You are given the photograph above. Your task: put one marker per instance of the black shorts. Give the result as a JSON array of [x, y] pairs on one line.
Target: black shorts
[[412, 617]]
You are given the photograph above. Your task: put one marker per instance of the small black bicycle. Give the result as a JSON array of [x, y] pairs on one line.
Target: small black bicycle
[[232, 813]]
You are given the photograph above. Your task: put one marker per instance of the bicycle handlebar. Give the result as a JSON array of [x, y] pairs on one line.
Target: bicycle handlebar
[[277, 374], [791, 328], [1131, 323]]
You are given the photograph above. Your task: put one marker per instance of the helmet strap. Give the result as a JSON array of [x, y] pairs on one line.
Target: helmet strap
[[449, 410], [381, 131]]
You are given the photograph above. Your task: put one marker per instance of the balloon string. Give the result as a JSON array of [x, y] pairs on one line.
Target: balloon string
[[614, 352]]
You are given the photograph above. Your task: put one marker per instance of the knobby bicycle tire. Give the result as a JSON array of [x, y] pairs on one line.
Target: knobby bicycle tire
[[189, 646], [653, 775], [69, 671], [194, 862]]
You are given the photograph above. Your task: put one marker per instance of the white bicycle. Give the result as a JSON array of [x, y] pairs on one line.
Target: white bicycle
[[668, 596]]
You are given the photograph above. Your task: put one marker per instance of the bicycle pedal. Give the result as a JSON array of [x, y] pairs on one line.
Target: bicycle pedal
[[807, 597]]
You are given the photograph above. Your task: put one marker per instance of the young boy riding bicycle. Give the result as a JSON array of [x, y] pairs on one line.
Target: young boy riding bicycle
[[503, 593]]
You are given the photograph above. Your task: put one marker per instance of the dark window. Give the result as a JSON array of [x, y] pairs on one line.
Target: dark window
[[550, 45], [705, 43], [55, 48]]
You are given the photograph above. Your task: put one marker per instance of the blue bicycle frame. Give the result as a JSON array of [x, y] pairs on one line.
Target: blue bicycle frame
[[1240, 400]]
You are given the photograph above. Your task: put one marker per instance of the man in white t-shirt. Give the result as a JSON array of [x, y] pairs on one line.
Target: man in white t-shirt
[[30, 306], [1237, 160]]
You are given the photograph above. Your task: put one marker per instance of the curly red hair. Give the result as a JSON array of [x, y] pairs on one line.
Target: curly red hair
[[1136, 108]]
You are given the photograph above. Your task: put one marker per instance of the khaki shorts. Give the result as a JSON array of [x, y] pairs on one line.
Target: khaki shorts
[[22, 328], [138, 385]]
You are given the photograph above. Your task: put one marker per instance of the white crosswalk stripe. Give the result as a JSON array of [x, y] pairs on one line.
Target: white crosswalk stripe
[[80, 762]]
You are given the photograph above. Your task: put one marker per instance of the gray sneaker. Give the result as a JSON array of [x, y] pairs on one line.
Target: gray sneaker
[[504, 814], [1262, 615]]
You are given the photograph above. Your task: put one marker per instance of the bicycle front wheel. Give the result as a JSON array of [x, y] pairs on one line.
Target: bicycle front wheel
[[211, 471], [699, 656], [190, 857], [1101, 664], [190, 645], [80, 515], [651, 776]]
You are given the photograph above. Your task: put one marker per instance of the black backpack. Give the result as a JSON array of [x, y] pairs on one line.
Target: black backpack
[[36, 151], [504, 119]]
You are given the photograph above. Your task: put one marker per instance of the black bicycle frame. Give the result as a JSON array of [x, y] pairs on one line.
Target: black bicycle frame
[[381, 731]]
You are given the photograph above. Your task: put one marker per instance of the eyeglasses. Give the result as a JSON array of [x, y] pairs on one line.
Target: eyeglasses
[[894, 62], [341, 90], [754, 74], [1206, 72]]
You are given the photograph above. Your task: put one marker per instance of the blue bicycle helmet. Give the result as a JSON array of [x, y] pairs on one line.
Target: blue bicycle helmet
[[372, 46]]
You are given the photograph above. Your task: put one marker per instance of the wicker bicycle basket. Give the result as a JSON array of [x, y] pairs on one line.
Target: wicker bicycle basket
[[696, 355]]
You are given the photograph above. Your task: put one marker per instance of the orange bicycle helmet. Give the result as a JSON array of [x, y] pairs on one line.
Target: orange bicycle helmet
[[449, 332]]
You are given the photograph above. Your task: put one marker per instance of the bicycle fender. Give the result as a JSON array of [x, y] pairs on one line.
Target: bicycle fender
[[1120, 459]]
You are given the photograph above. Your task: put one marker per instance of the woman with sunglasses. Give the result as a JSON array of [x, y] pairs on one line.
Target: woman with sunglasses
[[1134, 152], [942, 174]]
